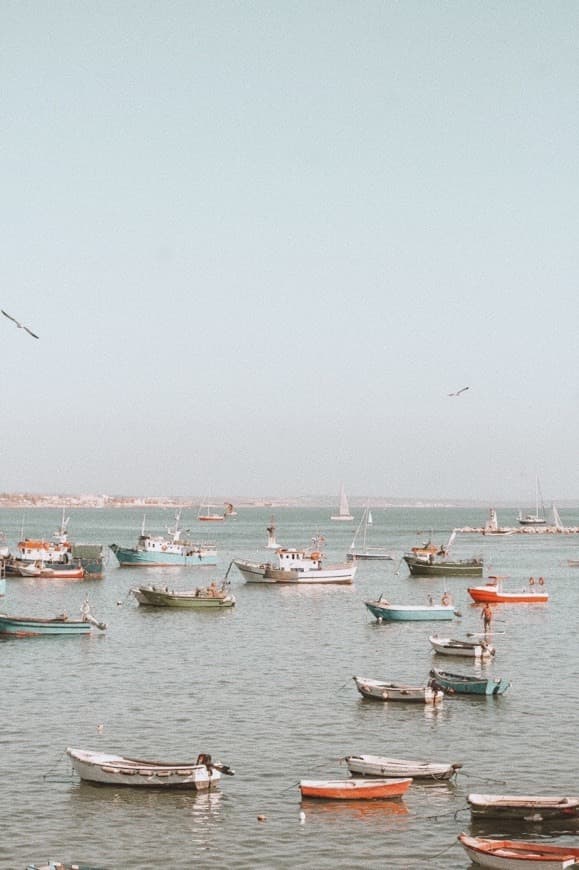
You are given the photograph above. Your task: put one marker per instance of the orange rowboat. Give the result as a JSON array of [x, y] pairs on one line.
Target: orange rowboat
[[495, 595], [354, 789]]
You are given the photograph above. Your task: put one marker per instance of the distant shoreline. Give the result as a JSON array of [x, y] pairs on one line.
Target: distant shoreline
[[27, 500]]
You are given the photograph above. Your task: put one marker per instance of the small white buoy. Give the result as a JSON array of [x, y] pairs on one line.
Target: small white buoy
[[302, 818], [100, 728]]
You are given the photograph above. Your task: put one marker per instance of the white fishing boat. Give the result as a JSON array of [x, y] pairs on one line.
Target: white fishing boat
[[518, 854], [359, 548], [378, 765], [387, 691], [448, 646], [296, 566], [108, 769], [343, 514]]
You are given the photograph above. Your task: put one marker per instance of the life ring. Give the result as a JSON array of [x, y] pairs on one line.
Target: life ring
[[531, 582], [164, 547], [316, 556], [541, 581]]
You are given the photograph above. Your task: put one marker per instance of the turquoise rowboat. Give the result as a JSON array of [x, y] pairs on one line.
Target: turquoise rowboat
[[466, 685], [31, 626], [383, 611]]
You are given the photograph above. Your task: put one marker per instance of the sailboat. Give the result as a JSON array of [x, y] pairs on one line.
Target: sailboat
[[344, 514], [207, 514], [359, 548], [536, 519]]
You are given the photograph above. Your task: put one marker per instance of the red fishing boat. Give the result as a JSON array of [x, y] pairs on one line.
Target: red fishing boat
[[494, 593]]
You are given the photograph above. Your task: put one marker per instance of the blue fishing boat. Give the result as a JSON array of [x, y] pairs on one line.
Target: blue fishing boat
[[157, 551], [384, 611], [466, 685]]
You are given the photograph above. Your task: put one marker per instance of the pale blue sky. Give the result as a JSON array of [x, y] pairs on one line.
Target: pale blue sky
[[262, 241]]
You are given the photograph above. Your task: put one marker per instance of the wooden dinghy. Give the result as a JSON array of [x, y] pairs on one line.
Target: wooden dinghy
[[52, 572], [467, 685], [377, 765], [514, 854], [107, 769], [476, 649], [211, 596], [383, 691], [354, 789], [528, 808], [36, 626]]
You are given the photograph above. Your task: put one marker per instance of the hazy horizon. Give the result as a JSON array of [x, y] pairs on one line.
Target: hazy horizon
[[262, 243]]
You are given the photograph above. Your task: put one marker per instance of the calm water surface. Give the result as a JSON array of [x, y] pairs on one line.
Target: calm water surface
[[266, 687]]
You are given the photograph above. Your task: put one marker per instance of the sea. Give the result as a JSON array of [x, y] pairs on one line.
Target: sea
[[266, 687]]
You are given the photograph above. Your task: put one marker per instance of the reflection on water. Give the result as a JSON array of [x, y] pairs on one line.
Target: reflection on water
[[359, 810]]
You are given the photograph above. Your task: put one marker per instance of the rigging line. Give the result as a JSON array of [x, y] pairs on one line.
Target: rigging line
[[481, 778]]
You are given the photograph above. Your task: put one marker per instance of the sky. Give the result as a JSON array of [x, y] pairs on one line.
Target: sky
[[261, 242]]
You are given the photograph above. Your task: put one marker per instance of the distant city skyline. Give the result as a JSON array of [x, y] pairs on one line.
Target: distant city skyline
[[262, 244]]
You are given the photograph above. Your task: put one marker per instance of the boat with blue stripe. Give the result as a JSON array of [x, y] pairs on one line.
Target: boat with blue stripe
[[386, 612], [157, 551]]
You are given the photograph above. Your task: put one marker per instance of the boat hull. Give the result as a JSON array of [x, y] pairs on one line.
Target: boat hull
[[466, 685], [448, 647], [528, 808], [483, 594], [265, 572], [384, 691], [29, 627], [354, 789], [132, 557], [158, 598], [114, 770], [409, 613], [375, 765], [424, 568], [515, 854]]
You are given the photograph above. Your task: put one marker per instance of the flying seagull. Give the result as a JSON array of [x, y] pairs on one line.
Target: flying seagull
[[458, 392], [19, 325]]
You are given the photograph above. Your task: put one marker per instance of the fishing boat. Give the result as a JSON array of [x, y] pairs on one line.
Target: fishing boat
[[117, 770], [354, 789], [528, 808], [53, 572], [494, 593], [296, 566], [359, 548], [474, 649], [382, 691], [466, 685], [516, 854], [424, 562], [377, 765], [34, 626], [343, 514], [157, 551], [212, 596], [59, 865], [384, 611]]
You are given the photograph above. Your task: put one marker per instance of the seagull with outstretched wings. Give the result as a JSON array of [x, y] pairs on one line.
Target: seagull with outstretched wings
[[458, 392], [18, 324]]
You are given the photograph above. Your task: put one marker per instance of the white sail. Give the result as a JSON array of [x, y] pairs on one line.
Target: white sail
[[344, 508]]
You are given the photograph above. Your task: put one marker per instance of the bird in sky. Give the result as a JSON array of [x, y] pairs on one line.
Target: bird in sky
[[19, 325], [458, 392]]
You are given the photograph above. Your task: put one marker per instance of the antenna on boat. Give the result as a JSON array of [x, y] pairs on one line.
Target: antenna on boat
[[143, 526]]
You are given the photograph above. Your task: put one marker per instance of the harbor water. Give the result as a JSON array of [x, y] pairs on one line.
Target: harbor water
[[266, 687]]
